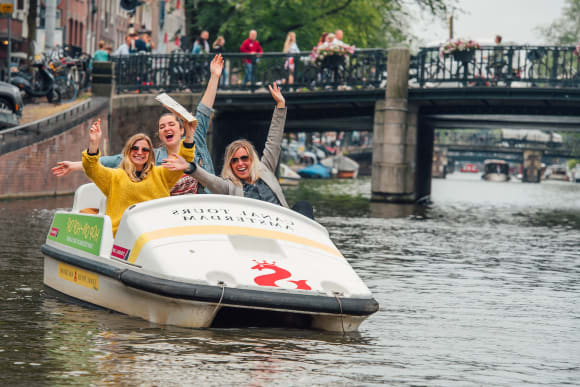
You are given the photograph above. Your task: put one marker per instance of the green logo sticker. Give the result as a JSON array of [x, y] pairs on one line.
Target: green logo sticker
[[82, 232]]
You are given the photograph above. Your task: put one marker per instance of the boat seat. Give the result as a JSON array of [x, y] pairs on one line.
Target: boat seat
[[89, 200]]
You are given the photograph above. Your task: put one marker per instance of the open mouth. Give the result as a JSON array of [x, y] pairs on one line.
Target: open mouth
[[169, 136]]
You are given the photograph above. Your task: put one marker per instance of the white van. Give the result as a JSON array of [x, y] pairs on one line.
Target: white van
[[576, 173]]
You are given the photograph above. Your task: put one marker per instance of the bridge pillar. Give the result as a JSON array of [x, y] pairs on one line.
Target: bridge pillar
[[425, 148], [103, 76], [532, 166], [395, 136]]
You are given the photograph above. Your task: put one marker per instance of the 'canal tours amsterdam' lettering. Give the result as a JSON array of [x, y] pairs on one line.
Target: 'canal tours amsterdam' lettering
[[243, 217]]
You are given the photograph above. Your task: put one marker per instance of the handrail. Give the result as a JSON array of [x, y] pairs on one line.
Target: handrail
[[182, 71], [499, 66]]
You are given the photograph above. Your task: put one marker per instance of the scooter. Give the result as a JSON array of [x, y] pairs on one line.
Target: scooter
[[40, 84]]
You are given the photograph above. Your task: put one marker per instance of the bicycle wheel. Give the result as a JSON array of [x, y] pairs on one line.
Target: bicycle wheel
[[274, 75]]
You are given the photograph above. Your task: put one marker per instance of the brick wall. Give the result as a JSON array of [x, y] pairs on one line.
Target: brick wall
[[26, 172]]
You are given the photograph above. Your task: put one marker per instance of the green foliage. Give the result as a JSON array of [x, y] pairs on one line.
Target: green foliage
[[566, 29], [365, 23]]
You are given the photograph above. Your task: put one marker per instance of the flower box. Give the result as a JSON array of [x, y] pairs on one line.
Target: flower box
[[333, 55], [462, 50]]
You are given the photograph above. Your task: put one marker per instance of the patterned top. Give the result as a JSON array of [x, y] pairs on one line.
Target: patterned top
[[185, 185]]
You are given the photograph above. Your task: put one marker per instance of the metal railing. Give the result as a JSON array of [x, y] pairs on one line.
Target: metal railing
[[499, 66], [179, 71]]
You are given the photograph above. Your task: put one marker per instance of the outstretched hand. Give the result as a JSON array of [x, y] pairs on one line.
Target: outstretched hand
[[95, 136], [217, 65], [175, 163], [277, 95], [63, 168]]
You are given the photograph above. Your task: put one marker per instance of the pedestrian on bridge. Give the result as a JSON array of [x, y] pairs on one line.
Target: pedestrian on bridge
[[250, 46], [290, 47]]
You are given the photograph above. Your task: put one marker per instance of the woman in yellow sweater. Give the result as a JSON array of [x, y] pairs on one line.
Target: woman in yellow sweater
[[137, 179]]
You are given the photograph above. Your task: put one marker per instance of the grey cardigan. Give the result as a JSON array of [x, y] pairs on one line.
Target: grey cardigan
[[266, 167]]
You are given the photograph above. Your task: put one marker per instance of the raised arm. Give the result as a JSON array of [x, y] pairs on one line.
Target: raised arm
[[215, 68], [99, 174], [273, 142], [204, 113]]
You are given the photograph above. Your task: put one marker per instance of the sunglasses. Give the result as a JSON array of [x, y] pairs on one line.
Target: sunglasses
[[234, 160], [136, 148]]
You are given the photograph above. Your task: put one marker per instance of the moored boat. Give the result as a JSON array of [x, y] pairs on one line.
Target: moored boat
[[205, 261], [315, 171], [469, 168], [341, 166], [496, 170], [287, 177]]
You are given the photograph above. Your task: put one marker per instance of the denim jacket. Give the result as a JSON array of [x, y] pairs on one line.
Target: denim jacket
[[202, 157]]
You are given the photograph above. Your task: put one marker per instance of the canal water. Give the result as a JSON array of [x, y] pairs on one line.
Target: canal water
[[479, 288]]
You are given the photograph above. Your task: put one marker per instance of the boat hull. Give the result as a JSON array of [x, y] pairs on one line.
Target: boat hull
[[169, 302], [495, 177]]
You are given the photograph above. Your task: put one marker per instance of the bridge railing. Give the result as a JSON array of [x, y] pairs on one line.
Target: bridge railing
[[181, 71], [499, 66]]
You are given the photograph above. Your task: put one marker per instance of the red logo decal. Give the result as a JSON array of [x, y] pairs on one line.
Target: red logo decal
[[278, 275], [120, 252], [54, 232]]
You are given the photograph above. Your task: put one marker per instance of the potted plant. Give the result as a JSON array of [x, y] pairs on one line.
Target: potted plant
[[462, 50]]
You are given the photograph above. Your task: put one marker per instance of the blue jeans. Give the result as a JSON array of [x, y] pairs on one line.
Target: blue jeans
[[249, 74]]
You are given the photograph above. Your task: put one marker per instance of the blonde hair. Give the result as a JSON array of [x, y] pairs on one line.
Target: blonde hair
[[218, 40], [228, 172], [128, 166], [288, 42]]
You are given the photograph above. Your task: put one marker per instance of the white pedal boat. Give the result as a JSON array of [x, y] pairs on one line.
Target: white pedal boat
[[205, 261]]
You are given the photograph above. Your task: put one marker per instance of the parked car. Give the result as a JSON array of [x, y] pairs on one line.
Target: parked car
[[10, 105]]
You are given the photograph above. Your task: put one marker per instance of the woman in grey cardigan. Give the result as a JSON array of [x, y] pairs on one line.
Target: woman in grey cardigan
[[244, 173]]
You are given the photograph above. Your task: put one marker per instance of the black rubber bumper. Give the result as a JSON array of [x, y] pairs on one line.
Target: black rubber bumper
[[244, 298]]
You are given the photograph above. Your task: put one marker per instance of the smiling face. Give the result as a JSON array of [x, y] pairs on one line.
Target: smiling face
[[170, 131], [241, 164], [139, 154]]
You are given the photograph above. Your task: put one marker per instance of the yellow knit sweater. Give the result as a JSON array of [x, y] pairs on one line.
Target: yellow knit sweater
[[121, 192]]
